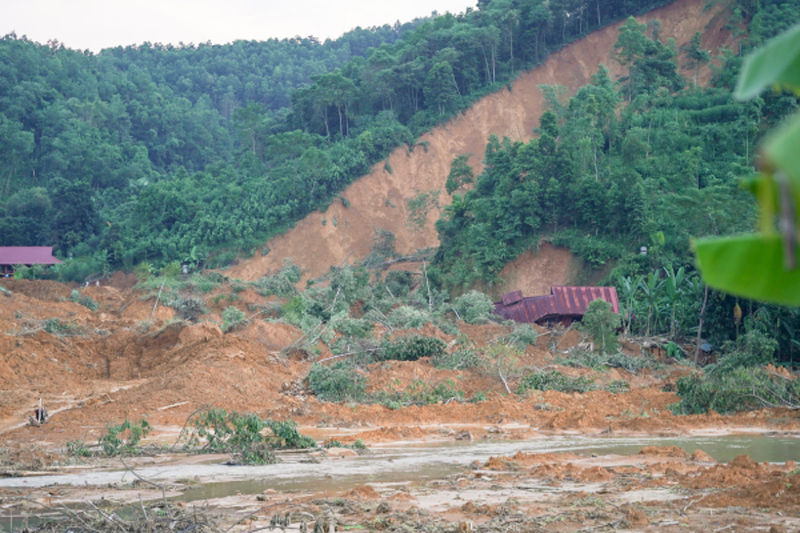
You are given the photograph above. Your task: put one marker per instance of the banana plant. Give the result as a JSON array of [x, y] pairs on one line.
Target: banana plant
[[651, 289]]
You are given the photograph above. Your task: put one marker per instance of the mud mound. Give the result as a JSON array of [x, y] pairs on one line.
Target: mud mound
[[51, 291], [379, 200]]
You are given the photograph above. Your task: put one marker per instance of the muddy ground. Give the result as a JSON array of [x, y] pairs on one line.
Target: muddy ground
[[101, 367]]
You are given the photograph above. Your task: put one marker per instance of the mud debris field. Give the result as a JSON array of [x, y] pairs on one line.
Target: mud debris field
[[541, 461]]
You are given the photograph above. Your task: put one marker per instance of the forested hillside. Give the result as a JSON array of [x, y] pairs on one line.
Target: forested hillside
[[177, 153]]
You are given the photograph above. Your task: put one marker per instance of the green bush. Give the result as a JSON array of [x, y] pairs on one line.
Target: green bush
[[243, 436], [190, 308], [77, 448], [473, 307], [407, 317], [232, 317], [337, 382], [353, 327], [521, 337], [411, 348], [601, 361], [122, 439], [459, 359], [59, 328], [600, 322], [552, 380], [754, 348], [283, 283], [738, 390], [85, 300]]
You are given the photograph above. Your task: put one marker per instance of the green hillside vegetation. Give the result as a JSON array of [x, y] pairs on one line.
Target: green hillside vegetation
[[194, 153], [651, 160]]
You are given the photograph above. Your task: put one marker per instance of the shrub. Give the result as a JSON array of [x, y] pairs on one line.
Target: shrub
[[738, 390], [754, 348], [353, 327], [522, 336], [337, 382], [282, 283], [242, 435], [473, 307], [85, 300], [77, 448], [123, 438], [188, 308], [601, 361], [399, 282], [411, 348], [232, 317], [552, 380], [601, 324], [60, 328], [457, 360], [407, 317]]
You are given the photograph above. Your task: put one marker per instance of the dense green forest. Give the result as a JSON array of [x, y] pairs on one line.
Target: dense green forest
[[160, 153]]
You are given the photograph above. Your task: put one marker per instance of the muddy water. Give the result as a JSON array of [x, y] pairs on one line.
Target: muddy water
[[413, 462]]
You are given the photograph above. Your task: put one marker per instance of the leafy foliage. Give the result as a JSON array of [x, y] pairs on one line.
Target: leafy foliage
[[601, 323], [473, 307], [727, 264], [553, 380], [83, 299], [337, 382], [242, 435], [411, 348], [122, 439], [737, 390], [232, 317]]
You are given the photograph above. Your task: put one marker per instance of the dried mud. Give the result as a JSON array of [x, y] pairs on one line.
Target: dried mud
[[112, 365]]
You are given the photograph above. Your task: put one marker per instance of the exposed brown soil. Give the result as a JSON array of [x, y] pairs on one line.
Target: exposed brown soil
[[378, 200]]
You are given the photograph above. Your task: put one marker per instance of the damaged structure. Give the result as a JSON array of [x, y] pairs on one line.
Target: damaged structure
[[564, 304]]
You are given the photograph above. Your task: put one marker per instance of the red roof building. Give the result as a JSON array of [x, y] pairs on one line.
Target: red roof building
[[25, 255], [564, 304]]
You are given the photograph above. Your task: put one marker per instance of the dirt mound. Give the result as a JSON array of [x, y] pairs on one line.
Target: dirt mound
[[379, 200], [51, 291]]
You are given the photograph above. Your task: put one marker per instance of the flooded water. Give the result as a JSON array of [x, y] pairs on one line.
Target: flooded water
[[406, 463], [395, 464]]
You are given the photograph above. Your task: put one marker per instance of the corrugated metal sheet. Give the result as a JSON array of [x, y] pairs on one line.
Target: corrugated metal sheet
[[561, 302], [512, 297], [27, 255], [574, 300]]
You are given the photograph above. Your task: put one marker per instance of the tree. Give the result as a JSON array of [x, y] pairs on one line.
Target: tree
[[600, 322], [460, 174]]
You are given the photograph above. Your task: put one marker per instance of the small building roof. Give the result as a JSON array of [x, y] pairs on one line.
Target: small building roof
[[27, 255], [562, 301]]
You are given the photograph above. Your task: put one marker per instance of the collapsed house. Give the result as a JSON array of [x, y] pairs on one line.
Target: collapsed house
[[563, 304]]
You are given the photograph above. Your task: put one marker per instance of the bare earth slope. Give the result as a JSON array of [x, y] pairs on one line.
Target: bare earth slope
[[378, 200]]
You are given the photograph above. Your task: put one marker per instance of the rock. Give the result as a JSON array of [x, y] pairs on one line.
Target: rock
[[383, 508], [465, 435]]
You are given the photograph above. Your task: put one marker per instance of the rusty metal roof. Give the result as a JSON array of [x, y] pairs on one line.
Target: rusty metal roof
[[562, 301], [27, 255]]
